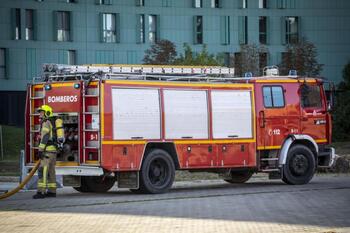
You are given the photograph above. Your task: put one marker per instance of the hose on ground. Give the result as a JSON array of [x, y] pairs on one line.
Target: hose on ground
[[24, 182]]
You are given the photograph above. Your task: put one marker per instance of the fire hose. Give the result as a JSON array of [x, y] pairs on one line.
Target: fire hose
[[24, 182]]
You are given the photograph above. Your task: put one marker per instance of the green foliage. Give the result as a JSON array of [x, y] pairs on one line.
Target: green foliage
[[13, 140], [247, 60], [302, 57], [164, 53], [161, 53], [341, 123], [203, 58]]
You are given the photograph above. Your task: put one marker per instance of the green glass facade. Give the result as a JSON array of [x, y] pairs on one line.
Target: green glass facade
[[34, 32]]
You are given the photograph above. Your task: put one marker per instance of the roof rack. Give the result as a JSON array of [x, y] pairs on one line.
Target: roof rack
[[61, 72]]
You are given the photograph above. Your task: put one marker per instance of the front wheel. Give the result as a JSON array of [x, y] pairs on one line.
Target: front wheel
[[157, 172], [300, 165]]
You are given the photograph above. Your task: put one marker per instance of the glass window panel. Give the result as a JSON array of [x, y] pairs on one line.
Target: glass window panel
[[267, 97], [29, 25], [71, 57], [277, 96], [109, 30], [2, 57], [311, 96], [198, 3]]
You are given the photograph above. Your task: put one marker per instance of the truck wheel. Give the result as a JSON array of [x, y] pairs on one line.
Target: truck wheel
[[157, 172], [83, 187], [95, 184], [300, 165], [239, 177]]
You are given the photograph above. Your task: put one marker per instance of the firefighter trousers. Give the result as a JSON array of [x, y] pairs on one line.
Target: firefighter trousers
[[47, 173]]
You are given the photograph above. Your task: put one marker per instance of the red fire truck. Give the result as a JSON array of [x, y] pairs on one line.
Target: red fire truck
[[138, 124]]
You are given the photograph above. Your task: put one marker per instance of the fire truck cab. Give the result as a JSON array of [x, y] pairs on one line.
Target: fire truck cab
[[138, 124]]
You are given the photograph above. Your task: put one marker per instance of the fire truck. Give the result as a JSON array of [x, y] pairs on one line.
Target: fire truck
[[137, 125]]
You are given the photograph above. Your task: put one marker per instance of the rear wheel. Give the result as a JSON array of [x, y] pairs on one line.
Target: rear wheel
[[95, 184], [300, 165], [239, 177], [157, 172]]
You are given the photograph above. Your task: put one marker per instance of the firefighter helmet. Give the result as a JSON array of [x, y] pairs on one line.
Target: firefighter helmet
[[47, 110]]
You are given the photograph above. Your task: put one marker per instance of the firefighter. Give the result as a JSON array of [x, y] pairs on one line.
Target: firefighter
[[47, 153]]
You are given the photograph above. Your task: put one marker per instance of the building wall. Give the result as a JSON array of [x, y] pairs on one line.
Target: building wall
[[323, 22]]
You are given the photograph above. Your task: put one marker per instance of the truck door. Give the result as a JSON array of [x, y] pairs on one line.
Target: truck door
[[278, 111], [313, 111]]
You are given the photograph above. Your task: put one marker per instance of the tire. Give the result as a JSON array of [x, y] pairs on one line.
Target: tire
[[157, 172], [95, 184], [300, 165], [238, 177]]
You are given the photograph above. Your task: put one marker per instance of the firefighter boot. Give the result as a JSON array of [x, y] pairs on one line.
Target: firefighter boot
[[38, 195], [50, 194]]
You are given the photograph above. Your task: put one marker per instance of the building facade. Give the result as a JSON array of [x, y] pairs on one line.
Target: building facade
[[33, 32]]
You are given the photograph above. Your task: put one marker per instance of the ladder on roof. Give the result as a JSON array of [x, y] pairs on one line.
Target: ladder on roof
[[60, 72], [136, 69]]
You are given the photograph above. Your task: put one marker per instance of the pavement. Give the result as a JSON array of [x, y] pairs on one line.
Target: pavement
[[260, 205]]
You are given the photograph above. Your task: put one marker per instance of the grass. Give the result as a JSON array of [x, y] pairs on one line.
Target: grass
[[13, 142]]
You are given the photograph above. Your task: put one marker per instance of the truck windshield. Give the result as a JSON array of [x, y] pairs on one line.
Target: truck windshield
[[311, 96]]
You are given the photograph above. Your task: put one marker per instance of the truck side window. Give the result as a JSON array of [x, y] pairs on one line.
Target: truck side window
[[310, 96], [273, 96]]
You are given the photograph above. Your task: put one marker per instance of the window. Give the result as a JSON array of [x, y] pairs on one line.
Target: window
[[17, 35], [141, 29], [71, 57], [292, 30], [310, 96], [108, 28], [63, 25], [215, 3], [152, 29], [29, 25], [198, 29], [262, 4], [283, 4], [166, 3], [140, 2], [71, 1], [263, 30], [197, 3], [273, 96], [2, 63], [244, 4], [225, 30], [243, 29], [104, 2]]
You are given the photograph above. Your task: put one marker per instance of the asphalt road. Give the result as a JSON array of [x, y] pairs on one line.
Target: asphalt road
[[203, 206]]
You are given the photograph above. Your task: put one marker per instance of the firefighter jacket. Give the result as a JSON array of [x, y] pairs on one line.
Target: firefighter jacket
[[47, 142]]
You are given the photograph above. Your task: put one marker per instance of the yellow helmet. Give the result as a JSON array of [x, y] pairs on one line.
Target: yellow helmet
[[47, 109]]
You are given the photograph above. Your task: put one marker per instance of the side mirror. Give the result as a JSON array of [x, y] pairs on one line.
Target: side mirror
[[329, 106]]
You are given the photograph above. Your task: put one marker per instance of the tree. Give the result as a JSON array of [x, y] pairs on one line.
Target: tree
[[248, 59], [301, 56], [341, 123], [203, 58], [162, 52]]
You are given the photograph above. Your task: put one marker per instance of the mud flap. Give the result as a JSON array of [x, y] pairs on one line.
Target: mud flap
[[128, 180]]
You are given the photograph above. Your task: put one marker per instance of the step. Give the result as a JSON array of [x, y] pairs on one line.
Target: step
[[269, 159], [270, 170]]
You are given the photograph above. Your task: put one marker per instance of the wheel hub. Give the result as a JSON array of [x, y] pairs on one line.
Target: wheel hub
[[299, 164]]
